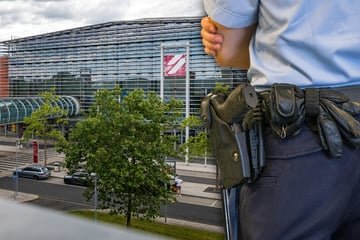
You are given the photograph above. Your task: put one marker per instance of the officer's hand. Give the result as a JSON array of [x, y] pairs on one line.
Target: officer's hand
[[211, 40]]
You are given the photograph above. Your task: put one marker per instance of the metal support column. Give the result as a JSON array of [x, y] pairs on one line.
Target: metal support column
[[185, 45]]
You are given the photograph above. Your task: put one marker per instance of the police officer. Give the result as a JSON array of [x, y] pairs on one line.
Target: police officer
[[304, 192]]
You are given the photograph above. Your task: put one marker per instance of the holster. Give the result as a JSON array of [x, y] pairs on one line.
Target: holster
[[223, 117]]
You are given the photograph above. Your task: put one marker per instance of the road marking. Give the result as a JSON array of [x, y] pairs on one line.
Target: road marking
[[214, 203], [199, 201]]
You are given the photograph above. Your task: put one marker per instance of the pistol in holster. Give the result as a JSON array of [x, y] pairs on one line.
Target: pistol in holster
[[237, 145]]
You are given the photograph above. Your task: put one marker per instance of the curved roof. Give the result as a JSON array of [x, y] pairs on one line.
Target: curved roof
[[13, 110]]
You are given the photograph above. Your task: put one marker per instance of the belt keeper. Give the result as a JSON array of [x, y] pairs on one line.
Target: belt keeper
[[311, 102]]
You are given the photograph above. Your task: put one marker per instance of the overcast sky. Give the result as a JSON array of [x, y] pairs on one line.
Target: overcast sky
[[23, 18]]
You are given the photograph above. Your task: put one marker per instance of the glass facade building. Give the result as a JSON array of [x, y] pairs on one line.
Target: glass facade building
[[159, 55], [14, 110]]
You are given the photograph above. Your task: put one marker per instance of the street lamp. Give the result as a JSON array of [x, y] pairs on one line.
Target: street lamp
[[93, 175], [15, 176]]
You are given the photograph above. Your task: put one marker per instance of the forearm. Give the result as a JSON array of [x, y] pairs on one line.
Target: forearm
[[234, 51]]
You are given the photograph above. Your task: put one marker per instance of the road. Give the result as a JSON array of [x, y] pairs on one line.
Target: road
[[56, 195]]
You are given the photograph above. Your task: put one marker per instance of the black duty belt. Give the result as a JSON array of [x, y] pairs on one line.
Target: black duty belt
[[235, 123]]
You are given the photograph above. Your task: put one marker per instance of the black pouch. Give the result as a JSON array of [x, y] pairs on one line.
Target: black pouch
[[284, 108]]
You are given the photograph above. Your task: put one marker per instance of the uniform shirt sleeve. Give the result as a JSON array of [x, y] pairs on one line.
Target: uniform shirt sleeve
[[233, 13]]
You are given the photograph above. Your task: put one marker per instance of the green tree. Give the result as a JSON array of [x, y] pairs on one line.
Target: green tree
[[221, 89], [123, 142], [175, 116], [45, 121], [197, 145]]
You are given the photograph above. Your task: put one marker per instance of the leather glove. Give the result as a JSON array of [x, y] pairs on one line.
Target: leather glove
[[341, 110], [351, 107], [345, 120], [252, 118], [329, 133]]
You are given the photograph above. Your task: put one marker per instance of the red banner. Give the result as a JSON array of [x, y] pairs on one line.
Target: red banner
[[36, 151], [174, 65]]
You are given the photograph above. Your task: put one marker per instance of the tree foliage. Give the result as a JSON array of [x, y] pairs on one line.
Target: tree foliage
[[221, 88], [123, 142], [197, 145], [45, 121]]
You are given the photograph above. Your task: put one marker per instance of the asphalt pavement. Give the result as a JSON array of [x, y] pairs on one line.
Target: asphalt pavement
[[194, 193]]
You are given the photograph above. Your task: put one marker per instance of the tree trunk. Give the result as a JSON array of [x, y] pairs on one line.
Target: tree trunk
[[217, 178], [128, 212]]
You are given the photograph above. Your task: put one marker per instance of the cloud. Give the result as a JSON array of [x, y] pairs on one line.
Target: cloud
[[163, 8], [54, 12], [102, 11], [23, 18]]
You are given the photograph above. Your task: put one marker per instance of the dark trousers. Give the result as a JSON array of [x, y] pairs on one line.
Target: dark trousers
[[302, 194]]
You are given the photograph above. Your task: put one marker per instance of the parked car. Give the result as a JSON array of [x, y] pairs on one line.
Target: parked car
[[77, 178], [33, 171]]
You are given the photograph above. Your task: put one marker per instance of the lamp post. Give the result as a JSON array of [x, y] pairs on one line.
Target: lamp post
[[93, 175], [15, 176]]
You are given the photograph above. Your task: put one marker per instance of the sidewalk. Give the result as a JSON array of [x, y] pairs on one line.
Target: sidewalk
[[197, 170], [17, 197]]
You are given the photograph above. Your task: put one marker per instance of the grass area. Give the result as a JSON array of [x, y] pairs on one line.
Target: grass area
[[167, 230]]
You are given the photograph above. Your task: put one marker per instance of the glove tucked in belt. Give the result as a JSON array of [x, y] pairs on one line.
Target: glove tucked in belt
[[326, 111], [339, 110]]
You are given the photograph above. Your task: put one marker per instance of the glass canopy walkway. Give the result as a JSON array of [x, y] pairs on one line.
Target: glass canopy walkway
[[15, 110]]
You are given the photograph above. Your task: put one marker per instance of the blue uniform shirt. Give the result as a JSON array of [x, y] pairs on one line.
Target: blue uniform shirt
[[309, 43]]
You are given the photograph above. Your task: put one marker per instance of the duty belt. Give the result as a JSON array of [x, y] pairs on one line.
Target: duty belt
[[235, 123]]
